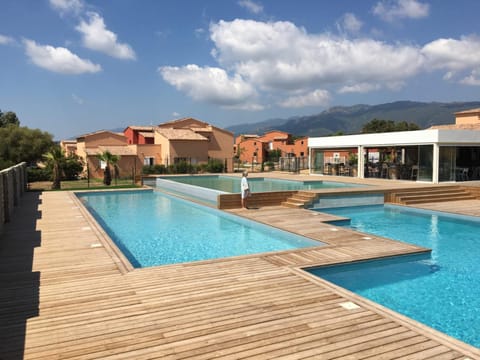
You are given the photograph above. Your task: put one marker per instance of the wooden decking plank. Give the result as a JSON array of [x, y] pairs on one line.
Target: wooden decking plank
[[255, 345], [79, 304]]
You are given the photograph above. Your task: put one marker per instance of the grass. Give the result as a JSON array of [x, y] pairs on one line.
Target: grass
[[93, 184]]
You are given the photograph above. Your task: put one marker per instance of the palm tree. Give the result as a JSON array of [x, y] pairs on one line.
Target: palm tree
[[56, 158], [109, 159]]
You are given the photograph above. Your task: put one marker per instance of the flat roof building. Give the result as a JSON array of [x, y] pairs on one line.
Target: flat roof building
[[439, 154]]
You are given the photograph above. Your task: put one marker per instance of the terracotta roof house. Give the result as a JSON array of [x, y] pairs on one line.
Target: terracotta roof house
[[139, 134], [199, 143], [90, 145], [186, 139], [69, 147], [256, 148]]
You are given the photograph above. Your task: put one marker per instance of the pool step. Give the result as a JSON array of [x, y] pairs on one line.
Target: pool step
[[426, 195], [300, 199]]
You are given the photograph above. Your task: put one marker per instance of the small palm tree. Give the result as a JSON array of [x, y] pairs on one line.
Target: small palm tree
[[55, 157], [109, 159]]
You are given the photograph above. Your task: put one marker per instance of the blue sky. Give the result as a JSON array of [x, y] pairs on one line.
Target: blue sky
[[70, 67]]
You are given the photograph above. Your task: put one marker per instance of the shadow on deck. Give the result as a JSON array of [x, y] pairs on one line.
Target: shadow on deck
[[19, 284]]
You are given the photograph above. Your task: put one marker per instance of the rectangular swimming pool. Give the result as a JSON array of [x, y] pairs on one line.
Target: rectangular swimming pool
[[152, 228], [231, 184], [206, 188], [442, 290]]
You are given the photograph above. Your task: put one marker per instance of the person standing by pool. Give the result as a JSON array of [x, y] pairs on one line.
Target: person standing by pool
[[245, 189]]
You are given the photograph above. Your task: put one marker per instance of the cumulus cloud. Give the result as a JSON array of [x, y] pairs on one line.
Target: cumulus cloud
[[453, 54], [279, 59], [349, 23], [58, 59], [399, 9], [473, 79], [4, 40], [282, 56], [209, 84], [315, 98], [251, 6], [97, 37], [74, 7], [359, 88]]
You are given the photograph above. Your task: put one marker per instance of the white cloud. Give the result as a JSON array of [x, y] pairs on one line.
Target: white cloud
[[77, 99], [277, 59], [315, 98], [398, 9], [209, 84], [453, 54], [58, 59], [251, 6], [4, 40], [349, 23], [281, 56], [175, 114], [67, 6], [199, 32], [359, 88], [97, 37], [473, 79]]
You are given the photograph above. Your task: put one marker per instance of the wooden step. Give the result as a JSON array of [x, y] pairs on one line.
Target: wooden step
[[439, 199], [293, 204], [433, 195], [300, 199], [429, 191]]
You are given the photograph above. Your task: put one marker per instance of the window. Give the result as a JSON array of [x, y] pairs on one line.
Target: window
[[148, 160], [180, 160]]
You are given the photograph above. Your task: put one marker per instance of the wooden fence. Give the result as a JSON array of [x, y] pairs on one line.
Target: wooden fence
[[13, 183]]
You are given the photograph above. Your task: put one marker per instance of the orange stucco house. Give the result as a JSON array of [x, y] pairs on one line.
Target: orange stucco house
[[192, 140], [255, 148], [186, 139], [90, 145]]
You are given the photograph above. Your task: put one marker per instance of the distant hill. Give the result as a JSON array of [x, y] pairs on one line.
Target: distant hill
[[350, 119]]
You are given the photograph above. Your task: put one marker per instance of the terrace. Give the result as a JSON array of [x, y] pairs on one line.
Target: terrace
[[66, 293]]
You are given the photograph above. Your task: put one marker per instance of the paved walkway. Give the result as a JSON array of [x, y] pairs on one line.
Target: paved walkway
[[66, 294]]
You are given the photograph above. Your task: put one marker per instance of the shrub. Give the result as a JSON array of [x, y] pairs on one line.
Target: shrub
[[215, 166], [154, 169], [182, 167], [38, 174]]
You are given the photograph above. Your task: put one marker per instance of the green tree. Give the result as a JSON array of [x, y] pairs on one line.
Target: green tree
[[274, 155], [381, 126], [109, 159], [8, 118], [404, 126], [56, 159], [18, 144], [73, 167]]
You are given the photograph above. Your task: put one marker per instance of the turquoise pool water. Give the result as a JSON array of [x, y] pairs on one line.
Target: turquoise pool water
[[441, 291], [231, 184], [152, 229]]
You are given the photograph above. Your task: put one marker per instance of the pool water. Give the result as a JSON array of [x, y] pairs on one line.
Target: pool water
[[231, 184], [152, 229], [442, 290]]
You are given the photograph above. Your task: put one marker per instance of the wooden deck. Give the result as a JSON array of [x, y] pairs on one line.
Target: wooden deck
[[66, 295]]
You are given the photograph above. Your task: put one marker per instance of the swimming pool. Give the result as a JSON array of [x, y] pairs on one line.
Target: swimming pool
[[231, 184], [442, 291], [152, 228]]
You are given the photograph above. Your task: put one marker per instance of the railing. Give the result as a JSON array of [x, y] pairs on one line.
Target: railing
[[13, 183], [293, 164]]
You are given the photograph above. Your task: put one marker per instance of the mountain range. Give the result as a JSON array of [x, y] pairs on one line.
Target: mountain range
[[350, 119]]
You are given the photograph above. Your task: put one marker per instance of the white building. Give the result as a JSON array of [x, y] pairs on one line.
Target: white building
[[439, 154]]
